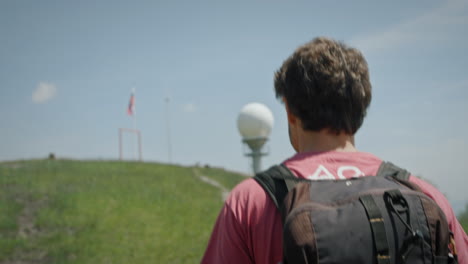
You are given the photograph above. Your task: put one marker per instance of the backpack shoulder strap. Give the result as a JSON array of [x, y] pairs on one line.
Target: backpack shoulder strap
[[277, 181], [388, 169]]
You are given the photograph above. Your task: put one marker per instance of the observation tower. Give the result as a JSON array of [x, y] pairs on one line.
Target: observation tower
[[255, 122]]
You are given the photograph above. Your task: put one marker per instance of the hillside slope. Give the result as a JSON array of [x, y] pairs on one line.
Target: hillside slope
[[62, 211]]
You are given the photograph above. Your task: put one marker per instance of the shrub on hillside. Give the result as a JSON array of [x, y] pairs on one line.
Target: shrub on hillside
[[463, 218]]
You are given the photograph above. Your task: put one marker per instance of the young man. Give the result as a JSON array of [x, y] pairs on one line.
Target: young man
[[326, 91]]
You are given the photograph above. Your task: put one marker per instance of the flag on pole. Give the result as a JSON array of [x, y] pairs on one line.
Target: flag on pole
[[131, 104]]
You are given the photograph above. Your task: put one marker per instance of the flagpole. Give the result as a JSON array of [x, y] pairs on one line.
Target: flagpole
[[134, 108], [168, 127], [134, 120]]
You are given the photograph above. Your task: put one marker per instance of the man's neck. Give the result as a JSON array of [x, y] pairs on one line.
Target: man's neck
[[311, 141]]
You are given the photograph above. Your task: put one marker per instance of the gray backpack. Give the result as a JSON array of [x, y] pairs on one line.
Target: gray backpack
[[384, 219]]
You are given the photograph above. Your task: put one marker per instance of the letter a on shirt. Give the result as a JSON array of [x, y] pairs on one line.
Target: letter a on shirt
[[321, 174]]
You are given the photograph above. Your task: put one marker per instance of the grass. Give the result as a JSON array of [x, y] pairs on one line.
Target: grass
[[63, 211], [106, 212], [226, 178], [463, 218]]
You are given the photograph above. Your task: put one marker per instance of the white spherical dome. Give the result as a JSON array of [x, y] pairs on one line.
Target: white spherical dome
[[255, 121]]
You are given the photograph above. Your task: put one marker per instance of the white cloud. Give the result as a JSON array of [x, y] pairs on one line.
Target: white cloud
[[433, 27], [44, 92], [190, 108]]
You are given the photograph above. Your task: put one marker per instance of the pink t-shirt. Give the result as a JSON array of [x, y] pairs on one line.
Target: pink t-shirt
[[249, 227]]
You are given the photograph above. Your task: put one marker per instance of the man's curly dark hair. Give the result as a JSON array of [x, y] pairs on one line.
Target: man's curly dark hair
[[326, 85]]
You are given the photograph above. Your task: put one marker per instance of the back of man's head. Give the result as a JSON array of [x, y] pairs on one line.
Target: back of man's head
[[326, 85]]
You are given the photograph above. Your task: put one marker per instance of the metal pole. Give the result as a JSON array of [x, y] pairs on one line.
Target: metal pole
[[120, 144], [256, 160], [256, 145], [134, 124], [140, 155], [168, 126]]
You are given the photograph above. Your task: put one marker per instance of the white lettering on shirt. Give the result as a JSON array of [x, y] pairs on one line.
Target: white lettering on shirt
[[357, 172], [323, 173]]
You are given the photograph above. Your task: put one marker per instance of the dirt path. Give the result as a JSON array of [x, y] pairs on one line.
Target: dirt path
[[224, 191], [27, 230], [26, 220]]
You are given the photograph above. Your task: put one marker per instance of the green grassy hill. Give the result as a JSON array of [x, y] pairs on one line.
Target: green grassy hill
[[463, 218], [62, 211]]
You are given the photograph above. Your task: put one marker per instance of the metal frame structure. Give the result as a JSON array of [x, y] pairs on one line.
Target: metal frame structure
[[132, 131]]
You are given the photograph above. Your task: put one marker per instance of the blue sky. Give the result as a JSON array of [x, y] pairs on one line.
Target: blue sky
[[67, 69]]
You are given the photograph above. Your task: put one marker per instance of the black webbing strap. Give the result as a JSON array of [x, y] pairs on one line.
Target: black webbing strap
[[378, 228], [289, 178], [277, 181], [388, 169]]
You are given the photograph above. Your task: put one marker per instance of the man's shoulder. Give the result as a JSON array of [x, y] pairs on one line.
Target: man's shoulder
[[431, 191], [247, 191], [249, 203]]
